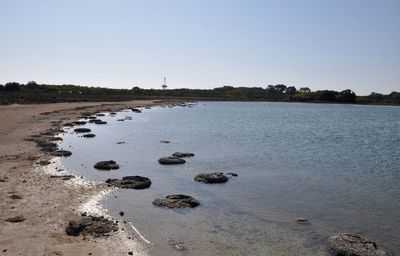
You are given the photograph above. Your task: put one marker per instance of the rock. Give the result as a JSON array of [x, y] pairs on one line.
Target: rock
[[44, 162], [121, 142], [182, 154], [91, 225], [56, 139], [68, 124], [120, 120], [15, 197], [82, 130], [91, 117], [113, 113], [130, 253], [89, 135], [176, 201], [106, 165], [100, 122], [100, 114], [136, 110], [94, 120], [63, 153], [352, 245], [121, 213], [215, 177], [165, 141], [63, 177], [133, 182], [171, 160], [302, 220], [232, 174], [16, 219]]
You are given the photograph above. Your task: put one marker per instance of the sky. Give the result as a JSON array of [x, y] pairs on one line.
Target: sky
[[320, 44]]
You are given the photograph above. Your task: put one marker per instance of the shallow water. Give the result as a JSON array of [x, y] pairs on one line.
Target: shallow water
[[336, 165]]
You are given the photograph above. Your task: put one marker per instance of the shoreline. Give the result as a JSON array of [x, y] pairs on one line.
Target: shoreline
[[46, 203]]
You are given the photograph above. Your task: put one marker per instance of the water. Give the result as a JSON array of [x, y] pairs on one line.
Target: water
[[336, 165]]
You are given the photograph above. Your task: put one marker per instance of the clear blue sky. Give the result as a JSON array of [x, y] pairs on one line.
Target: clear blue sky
[[335, 44]]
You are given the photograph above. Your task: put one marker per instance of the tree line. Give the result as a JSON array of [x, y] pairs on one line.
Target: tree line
[[32, 92]]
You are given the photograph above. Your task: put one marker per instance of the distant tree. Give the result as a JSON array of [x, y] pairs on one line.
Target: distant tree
[[138, 91], [12, 86], [31, 85], [291, 90], [271, 90], [280, 88], [327, 95], [346, 96], [375, 95], [305, 90], [395, 94], [1, 87]]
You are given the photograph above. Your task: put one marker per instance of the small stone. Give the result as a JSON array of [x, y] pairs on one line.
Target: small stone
[[16, 219], [121, 213]]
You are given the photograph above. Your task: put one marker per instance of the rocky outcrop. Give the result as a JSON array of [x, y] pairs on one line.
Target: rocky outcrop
[[132, 182], [171, 160], [214, 177], [352, 245], [82, 130], [183, 154], [176, 201], [106, 165], [91, 225]]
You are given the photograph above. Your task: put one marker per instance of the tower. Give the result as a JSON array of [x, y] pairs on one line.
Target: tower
[[164, 85]]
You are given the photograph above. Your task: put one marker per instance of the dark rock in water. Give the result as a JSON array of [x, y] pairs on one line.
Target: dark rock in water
[[120, 120], [82, 130], [121, 142], [176, 201], [215, 177], [302, 220], [106, 165], [64, 153], [136, 110], [134, 182], [100, 114], [182, 154], [90, 225], [165, 141], [171, 160], [94, 120], [100, 122], [92, 117], [56, 139], [121, 213], [89, 135], [232, 174], [352, 245], [113, 113], [16, 219], [79, 122]]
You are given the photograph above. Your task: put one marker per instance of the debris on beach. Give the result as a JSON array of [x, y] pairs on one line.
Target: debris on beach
[[214, 177], [349, 244], [183, 154], [106, 165], [171, 160], [91, 225], [133, 182], [16, 219], [176, 201]]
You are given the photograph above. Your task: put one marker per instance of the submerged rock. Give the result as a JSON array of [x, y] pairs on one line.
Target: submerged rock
[[352, 245], [89, 135], [100, 114], [82, 130], [182, 154], [94, 120], [171, 160], [214, 177], [91, 225], [133, 182], [176, 201], [100, 122], [106, 165]]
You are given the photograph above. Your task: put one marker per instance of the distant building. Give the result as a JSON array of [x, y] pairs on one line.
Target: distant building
[[164, 85]]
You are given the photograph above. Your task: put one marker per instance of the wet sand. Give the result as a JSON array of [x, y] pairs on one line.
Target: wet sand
[[46, 203]]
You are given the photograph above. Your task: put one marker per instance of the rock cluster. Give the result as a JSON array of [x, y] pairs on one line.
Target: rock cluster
[[176, 201], [91, 225]]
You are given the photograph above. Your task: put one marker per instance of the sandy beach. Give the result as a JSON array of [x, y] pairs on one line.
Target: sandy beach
[[47, 204]]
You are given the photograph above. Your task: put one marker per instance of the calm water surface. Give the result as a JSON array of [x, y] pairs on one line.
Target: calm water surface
[[336, 165]]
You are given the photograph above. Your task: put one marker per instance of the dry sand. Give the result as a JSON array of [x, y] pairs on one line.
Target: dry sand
[[46, 203]]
